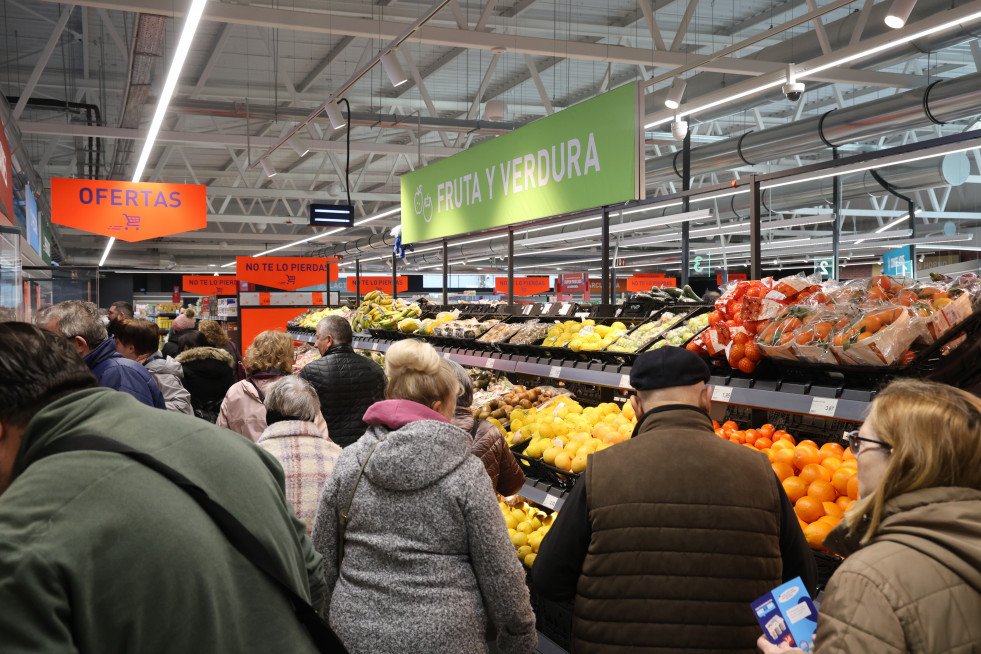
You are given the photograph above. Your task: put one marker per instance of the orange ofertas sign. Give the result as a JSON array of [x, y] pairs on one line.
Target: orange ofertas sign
[[523, 286], [210, 285], [641, 283], [126, 210], [286, 273], [383, 284]]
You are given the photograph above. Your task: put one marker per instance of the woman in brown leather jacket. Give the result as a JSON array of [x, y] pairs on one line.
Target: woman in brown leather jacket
[[488, 442]]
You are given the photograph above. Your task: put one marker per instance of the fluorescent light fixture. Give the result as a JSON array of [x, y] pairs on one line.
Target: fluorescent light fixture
[[300, 242], [690, 216], [650, 208], [383, 214], [298, 146], [226, 265], [675, 93], [267, 168], [334, 115], [393, 69], [166, 93], [899, 13]]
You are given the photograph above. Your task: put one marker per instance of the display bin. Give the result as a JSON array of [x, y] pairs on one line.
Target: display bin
[[553, 619], [541, 471]]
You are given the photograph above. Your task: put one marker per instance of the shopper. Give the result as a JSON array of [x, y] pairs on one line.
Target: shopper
[[208, 373], [80, 323], [184, 320], [218, 338], [488, 442], [297, 443], [118, 312], [668, 537], [346, 382], [138, 340], [270, 357], [426, 563], [911, 579]]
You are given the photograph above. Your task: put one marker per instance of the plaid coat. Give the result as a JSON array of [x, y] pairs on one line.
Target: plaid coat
[[307, 458]]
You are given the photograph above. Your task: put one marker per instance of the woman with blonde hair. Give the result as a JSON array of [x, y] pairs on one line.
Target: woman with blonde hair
[[911, 581], [270, 357], [216, 335], [417, 558]]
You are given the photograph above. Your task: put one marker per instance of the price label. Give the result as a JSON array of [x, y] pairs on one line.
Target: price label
[[374, 347], [721, 394], [625, 381], [546, 308], [490, 363], [555, 372], [823, 406], [527, 310], [446, 355], [565, 309], [582, 315], [550, 501]]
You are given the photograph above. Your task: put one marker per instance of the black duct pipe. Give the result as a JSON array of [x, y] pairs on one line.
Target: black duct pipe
[[74, 107]]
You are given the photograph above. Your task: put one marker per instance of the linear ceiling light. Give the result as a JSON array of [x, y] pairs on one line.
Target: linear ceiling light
[[393, 69], [334, 115], [267, 168], [899, 13], [300, 242], [675, 93], [298, 146], [383, 214], [180, 54]]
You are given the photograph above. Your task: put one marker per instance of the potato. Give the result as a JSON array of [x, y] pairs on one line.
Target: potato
[[526, 403], [498, 413], [484, 415]]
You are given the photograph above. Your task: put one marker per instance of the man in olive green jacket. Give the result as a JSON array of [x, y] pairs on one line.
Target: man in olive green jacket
[[99, 553]]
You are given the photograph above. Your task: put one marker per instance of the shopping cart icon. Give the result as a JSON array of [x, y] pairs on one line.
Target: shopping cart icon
[[132, 221], [290, 279]]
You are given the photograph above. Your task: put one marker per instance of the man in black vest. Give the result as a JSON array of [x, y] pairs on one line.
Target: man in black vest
[[668, 537]]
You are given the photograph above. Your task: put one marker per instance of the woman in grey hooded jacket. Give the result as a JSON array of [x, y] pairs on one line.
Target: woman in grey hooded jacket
[[427, 565]]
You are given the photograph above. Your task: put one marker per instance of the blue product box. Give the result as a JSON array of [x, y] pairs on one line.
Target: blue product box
[[787, 615]]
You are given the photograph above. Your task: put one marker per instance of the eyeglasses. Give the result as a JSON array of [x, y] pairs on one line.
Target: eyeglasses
[[854, 439]]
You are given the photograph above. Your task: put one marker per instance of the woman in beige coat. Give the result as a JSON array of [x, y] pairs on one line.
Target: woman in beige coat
[[911, 581]]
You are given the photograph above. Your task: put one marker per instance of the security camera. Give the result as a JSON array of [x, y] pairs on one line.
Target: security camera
[[679, 129], [793, 91]]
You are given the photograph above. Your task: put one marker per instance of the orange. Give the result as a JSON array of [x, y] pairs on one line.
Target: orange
[[752, 435], [803, 525], [853, 487], [783, 456], [769, 453], [794, 488], [832, 510], [730, 425], [851, 464], [809, 443], [808, 509], [816, 533], [821, 489], [847, 455], [737, 438], [845, 503], [781, 435], [762, 443], [719, 433], [829, 520], [804, 455], [749, 445], [780, 444], [812, 472], [832, 463], [782, 470], [767, 430], [831, 449], [841, 478]]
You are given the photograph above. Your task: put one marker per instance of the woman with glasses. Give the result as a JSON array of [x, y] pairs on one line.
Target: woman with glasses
[[911, 579]]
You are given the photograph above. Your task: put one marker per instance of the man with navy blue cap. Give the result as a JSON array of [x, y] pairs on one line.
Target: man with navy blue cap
[[668, 537]]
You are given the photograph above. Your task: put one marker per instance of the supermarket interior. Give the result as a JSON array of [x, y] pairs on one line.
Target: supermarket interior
[[542, 190]]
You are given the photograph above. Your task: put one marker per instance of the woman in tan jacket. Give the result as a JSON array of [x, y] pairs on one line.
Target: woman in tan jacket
[[911, 581]]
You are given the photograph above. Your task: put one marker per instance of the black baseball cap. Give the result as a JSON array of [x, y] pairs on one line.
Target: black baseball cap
[[666, 367]]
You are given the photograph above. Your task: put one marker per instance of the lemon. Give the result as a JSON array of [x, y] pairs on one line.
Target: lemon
[[524, 527], [548, 456], [536, 523], [519, 538], [535, 541], [518, 515], [524, 551], [510, 521], [530, 559]]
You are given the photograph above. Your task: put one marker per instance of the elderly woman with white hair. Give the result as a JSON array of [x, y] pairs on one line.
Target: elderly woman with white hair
[[307, 456]]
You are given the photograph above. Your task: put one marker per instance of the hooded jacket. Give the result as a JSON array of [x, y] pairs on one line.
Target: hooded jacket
[[115, 371], [170, 380], [916, 587], [243, 410], [490, 447], [100, 553], [347, 384], [427, 559], [208, 374]]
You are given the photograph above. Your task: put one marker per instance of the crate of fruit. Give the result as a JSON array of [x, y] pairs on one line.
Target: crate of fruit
[[637, 339], [682, 335]]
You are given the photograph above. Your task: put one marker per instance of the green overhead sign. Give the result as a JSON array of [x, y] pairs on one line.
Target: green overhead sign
[[582, 157]]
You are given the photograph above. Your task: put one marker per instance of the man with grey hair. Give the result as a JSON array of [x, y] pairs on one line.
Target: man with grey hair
[[307, 457], [346, 382], [80, 323]]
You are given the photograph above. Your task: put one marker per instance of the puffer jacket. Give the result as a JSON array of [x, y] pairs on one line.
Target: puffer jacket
[[347, 384], [208, 374], [916, 587], [490, 447], [170, 379], [425, 530], [243, 411], [115, 371]]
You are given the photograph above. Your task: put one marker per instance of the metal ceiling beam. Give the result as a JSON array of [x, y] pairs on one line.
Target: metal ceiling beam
[[323, 64], [291, 194], [49, 47]]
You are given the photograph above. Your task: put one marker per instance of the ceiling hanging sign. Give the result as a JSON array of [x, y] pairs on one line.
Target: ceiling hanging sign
[[383, 284], [582, 157], [210, 285], [644, 283], [6, 181], [286, 273], [128, 211], [523, 286], [574, 283]]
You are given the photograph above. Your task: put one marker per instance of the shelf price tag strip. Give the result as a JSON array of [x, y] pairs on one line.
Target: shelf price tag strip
[[550, 501], [823, 406], [721, 394]]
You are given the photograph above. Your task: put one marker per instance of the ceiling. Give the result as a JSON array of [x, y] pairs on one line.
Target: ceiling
[[257, 69]]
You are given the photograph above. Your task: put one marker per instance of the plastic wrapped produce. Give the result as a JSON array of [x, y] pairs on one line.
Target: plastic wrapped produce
[[500, 332], [681, 335], [643, 335], [530, 333], [585, 335]]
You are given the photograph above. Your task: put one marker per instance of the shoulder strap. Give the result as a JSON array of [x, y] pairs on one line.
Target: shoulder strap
[[262, 398], [343, 520], [237, 534], [476, 426]]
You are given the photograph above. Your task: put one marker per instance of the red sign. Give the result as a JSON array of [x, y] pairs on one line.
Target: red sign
[[175, 297], [6, 181], [383, 284], [574, 283], [733, 277], [596, 285], [126, 210], [523, 286], [210, 285], [286, 273], [641, 283]]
